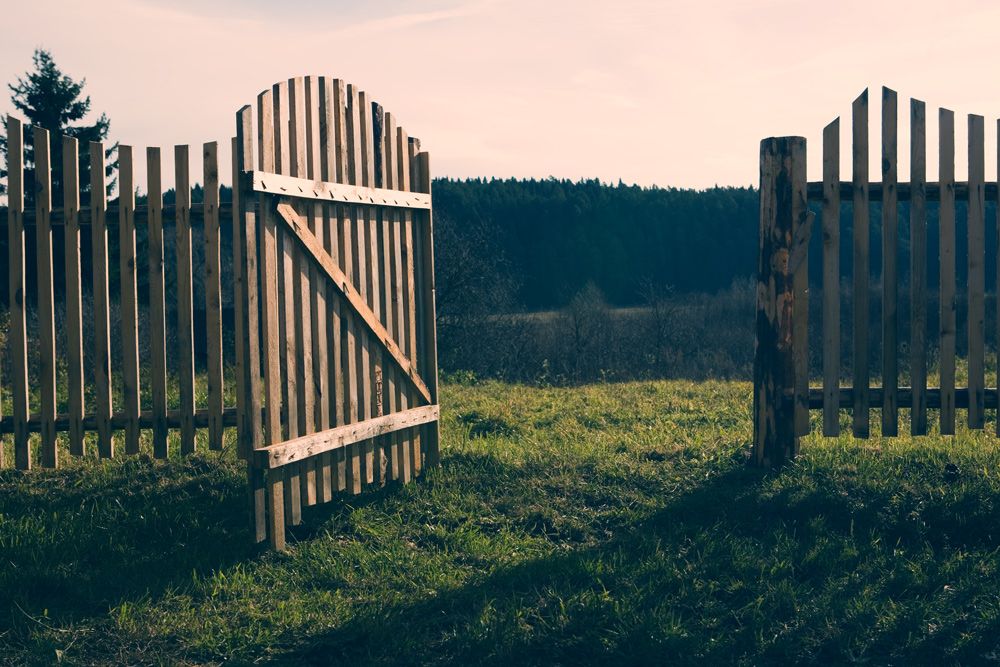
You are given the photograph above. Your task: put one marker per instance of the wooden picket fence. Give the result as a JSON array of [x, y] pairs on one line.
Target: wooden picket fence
[[65, 348], [332, 293], [782, 394]]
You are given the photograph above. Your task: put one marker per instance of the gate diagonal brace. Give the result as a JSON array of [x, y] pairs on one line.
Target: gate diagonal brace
[[353, 297]]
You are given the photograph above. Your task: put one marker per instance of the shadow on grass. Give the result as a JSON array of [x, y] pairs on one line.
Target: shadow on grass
[[79, 540], [744, 568]]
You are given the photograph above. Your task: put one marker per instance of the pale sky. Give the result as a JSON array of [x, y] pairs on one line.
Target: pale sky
[[671, 93]]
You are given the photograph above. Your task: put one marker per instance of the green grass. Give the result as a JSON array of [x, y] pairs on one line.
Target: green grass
[[603, 524]]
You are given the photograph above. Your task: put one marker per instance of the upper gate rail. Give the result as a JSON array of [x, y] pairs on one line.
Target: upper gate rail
[[782, 395]]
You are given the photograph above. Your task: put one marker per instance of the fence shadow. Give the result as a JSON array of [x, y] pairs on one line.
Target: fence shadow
[[474, 624], [84, 538]]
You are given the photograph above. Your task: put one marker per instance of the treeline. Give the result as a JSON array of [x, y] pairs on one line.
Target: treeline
[[556, 236]]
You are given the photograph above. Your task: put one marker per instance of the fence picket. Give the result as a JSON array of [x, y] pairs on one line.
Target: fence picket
[[128, 306], [213, 293], [831, 277], [270, 330], [320, 470], [860, 233], [301, 280], [946, 228], [74, 293], [364, 175], [890, 324], [918, 266], [288, 304], [402, 468], [351, 330], [46, 295], [18, 296], [411, 437], [157, 301], [977, 278], [102, 319], [185, 297], [429, 368]]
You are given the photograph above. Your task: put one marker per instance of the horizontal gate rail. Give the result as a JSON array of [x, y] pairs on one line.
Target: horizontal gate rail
[[290, 451], [290, 186]]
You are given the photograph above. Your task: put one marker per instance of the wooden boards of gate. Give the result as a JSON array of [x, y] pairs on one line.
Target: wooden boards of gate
[[917, 192], [343, 331]]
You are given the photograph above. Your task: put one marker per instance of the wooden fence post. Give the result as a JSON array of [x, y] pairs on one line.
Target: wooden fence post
[[784, 233]]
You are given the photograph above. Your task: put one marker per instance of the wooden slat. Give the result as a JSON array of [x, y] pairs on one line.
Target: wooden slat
[[332, 162], [831, 277], [996, 200], [890, 218], [427, 321], [860, 233], [288, 186], [243, 447], [411, 439], [46, 296], [266, 491], [376, 219], [401, 468], [351, 335], [128, 300], [302, 287], [321, 469], [16, 275], [918, 266], [305, 447], [800, 280], [74, 293], [364, 176], [157, 302], [977, 278], [102, 322], [213, 291], [946, 228], [185, 298], [287, 307]]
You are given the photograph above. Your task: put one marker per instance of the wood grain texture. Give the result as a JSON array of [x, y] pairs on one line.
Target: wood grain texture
[[775, 440], [74, 294], [429, 364], [861, 255], [890, 250], [157, 301], [46, 296], [185, 298], [976, 271], [128, 298], [831, 277], [918, 266], [946, 229], [308, 446], [213, 293], [102, 320], [18, 297]]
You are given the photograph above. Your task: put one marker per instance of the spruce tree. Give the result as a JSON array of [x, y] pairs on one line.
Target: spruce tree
[[52, 100]]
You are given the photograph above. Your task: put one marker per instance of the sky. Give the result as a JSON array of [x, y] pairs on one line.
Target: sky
[[668, 93]]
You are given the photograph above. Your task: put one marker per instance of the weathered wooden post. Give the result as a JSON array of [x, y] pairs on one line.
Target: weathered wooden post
[[784, 234]]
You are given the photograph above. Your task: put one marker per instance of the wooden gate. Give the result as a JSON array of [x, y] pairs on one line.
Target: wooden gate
[[336, 353], [782, 395]]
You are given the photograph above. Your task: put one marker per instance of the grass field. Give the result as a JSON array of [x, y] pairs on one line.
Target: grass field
[[604, 524]]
